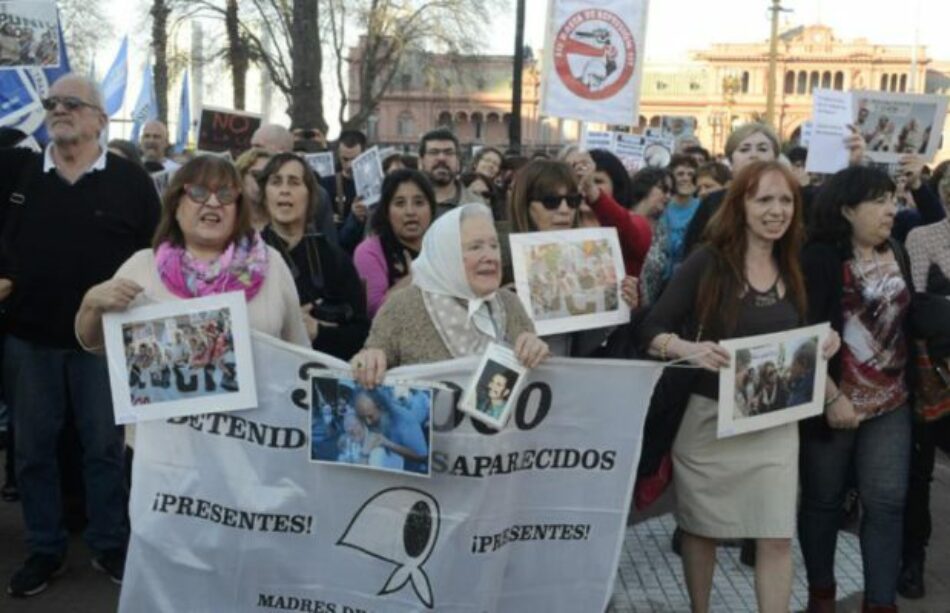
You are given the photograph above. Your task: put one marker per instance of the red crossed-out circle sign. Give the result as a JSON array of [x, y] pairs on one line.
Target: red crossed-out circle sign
[[594, 54]]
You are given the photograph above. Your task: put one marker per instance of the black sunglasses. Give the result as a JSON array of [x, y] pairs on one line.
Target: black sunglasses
[[553, 203], [70, 103], [201, 194]]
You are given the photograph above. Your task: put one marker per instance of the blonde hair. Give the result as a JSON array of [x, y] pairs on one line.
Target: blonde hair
[[745, 131]]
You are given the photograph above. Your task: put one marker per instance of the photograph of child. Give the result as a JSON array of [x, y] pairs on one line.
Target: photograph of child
[[180, 357], [493, 391], [387, 428], [775, 377]]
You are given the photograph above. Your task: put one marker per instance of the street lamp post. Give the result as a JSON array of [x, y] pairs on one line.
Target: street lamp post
[[773, 60], [514, 127]]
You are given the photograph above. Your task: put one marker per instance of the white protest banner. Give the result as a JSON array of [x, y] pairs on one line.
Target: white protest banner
[[597, 139], [831, 114], [228, 514], [594, 60], [29, 34]]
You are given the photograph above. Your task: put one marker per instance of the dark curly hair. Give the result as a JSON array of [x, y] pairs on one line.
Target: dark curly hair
[[846, 188], [607, 162]]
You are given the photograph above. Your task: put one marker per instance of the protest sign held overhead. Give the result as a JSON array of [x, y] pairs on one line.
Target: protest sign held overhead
[[225, 130], [28, 34], [229, 514], [594, 59]]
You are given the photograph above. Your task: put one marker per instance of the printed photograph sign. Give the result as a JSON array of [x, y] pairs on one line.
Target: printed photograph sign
[[182, 357]]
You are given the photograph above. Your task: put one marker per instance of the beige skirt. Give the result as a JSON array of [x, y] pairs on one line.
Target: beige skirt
[[743, 486]]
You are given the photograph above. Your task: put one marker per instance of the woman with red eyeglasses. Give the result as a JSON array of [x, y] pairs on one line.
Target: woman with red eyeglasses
[[546, 196], [204, 245]]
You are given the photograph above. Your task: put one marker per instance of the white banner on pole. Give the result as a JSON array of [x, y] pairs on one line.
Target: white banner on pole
[[228, 514], [594, 60]]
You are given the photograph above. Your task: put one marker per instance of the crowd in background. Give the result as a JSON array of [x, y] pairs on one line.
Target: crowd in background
[[714, 247]]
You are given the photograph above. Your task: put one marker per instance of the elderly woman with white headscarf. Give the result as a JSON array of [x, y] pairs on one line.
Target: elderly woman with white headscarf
[[454, 306]]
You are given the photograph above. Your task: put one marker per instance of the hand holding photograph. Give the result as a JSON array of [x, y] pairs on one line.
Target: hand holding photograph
[[494, 388], [570, 279], [773, 379], [183, 357]]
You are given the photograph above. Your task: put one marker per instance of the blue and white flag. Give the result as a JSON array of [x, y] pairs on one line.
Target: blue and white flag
[[113, 85], [21, 93], [146, 107], [184, 116]]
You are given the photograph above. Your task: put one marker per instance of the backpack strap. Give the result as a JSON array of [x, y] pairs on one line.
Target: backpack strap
[[13, 208]]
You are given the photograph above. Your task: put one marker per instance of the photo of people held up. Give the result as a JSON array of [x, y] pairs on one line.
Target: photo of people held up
[[386, 428], [890, 126], [181, 357], [775, 377], [572, 278]]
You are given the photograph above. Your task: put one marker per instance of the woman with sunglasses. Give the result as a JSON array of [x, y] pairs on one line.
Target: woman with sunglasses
[[546, 196], [331, 296], [204, 245]]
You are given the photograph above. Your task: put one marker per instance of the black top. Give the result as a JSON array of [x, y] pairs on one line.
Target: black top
[[675, 311], [66, 238], [823, 268], [323, 272]]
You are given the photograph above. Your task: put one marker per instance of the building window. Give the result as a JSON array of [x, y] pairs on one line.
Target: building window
[[405, 125], [789, 82], [814, 81], [802, 82], [894, 82], [661, 85], [839, 81], [745, 82], [478, 123], [883, 82], [903, 82], [826, 80], [445, 119], [694, 86]]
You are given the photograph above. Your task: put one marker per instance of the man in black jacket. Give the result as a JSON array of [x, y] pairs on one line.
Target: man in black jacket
[[72, 216]]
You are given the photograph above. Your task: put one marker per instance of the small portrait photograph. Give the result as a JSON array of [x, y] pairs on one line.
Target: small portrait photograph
[[321, 163], [180, 358], [570, 280], [773, 379], [388, 428], [494, 388], [368, 175], [893, 124], [678, 126]]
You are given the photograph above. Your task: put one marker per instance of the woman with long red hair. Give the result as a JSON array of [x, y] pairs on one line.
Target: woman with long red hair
[[745, 281]]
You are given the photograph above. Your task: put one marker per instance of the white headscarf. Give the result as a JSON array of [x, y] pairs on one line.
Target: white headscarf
[[440, 268]]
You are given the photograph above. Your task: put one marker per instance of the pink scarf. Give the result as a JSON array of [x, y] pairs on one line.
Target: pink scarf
[[242, 267]]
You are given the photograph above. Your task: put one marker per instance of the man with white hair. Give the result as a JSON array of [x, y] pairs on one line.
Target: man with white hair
[[72, 215], [154, 143], [273, 138]]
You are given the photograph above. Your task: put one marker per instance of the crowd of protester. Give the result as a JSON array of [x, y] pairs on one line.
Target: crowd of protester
[[713, 249]]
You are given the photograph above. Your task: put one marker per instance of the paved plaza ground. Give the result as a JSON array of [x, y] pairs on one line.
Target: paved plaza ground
[[649, 579]]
